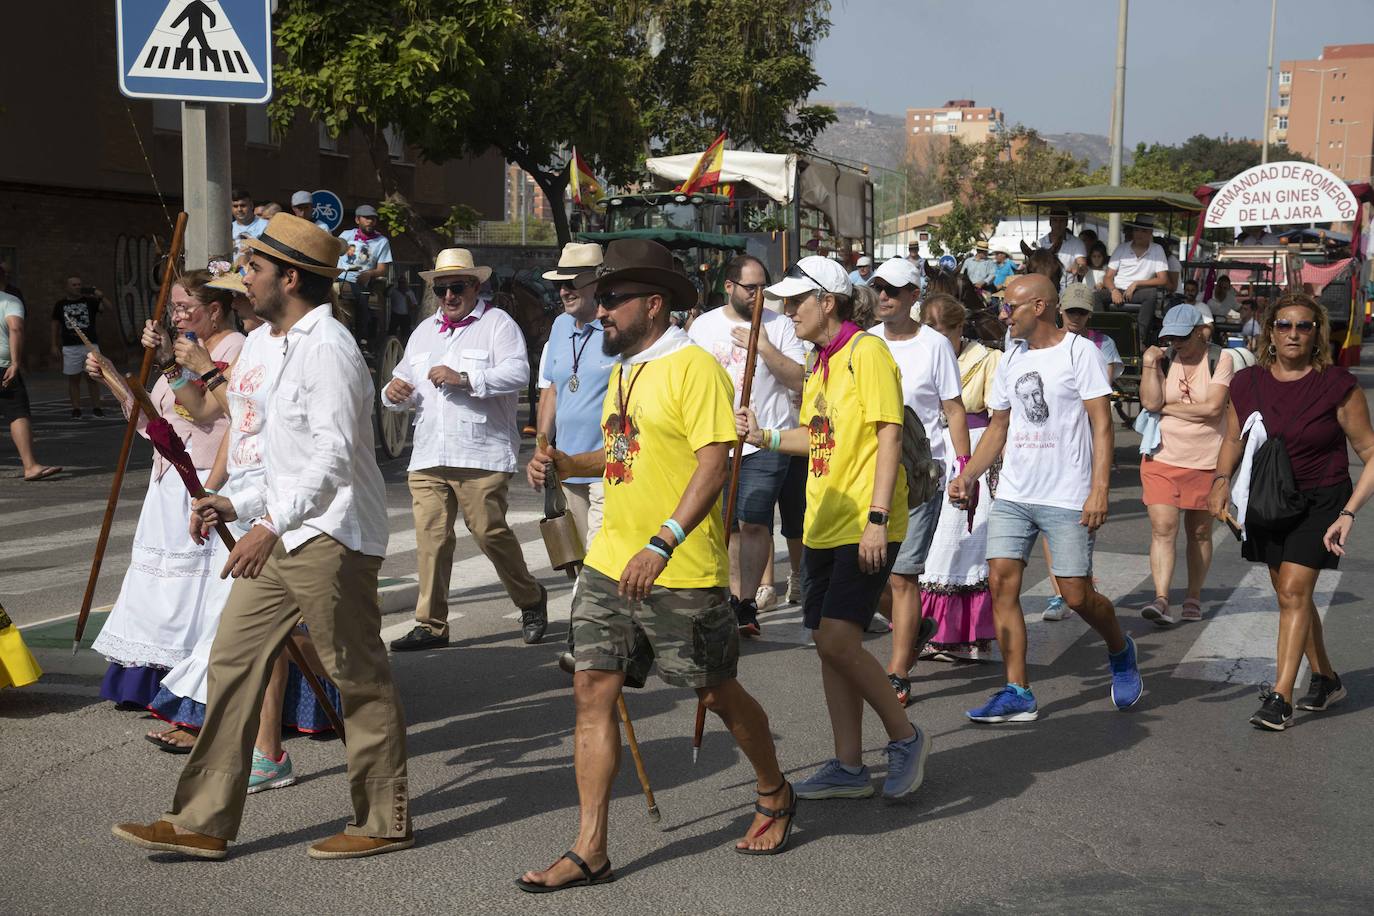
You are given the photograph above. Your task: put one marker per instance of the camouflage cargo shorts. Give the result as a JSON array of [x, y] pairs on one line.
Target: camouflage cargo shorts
[[691, 632]]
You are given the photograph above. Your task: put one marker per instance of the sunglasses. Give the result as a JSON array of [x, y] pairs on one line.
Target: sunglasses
[[887, 289], [798, 272], [1283, 325], [612, 301], [456, 287]]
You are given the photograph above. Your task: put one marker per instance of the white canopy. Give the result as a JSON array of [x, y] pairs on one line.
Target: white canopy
[[772, 173], [836, 192]]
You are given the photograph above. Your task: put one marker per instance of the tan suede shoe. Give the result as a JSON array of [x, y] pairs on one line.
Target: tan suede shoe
[[161, 836], [345, 846]]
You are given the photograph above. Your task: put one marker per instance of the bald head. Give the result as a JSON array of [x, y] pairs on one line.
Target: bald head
[[1034, 301]]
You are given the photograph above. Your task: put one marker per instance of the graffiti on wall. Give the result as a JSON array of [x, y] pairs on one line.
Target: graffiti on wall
[[137, 258]]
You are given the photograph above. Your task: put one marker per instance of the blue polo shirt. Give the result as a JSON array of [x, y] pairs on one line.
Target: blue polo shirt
[[577, 421], [1001, 272]]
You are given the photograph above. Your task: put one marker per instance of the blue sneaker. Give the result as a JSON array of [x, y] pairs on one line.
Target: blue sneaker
[[1006, 705], [906, 764], [270, 774], [834, 781], [1126, 683]]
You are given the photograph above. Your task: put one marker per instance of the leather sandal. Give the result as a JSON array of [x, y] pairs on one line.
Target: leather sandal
[[773, 815], [161, 742], [602, 875]]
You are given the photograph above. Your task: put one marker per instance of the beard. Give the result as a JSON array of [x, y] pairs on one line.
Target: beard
[[616, 340], [744, 307]]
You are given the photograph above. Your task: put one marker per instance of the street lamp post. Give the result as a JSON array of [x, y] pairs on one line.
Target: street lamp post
[[1345, 143], [1268, 82], [1321, 94]]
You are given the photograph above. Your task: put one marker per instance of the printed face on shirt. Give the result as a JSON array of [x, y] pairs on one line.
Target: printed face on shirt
[[1030, 391]]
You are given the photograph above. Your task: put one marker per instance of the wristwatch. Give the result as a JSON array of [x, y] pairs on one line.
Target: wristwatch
[[662, 545], [875, 517]]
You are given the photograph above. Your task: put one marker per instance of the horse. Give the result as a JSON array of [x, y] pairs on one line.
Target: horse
[[1044, 261]]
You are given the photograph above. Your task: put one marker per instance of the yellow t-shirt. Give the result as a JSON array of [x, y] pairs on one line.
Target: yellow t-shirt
[[841, 414], [676, 404]]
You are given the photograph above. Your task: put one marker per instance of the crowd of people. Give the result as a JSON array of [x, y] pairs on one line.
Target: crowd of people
[[915, 443]]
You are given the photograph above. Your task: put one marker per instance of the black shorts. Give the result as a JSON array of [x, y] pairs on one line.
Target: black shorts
[[14, 401], [835, 587], [792, 499], [1300, 543]]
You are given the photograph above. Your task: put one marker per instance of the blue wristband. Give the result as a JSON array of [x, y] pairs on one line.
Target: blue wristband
[[678, 534], [658, 550]]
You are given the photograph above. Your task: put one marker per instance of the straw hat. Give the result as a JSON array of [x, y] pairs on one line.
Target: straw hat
[[980, 245], [230, 280], [455, 262], [575, 258], [299, 243]]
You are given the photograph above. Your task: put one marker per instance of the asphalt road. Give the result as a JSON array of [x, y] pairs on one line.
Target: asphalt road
[[1176, 805]]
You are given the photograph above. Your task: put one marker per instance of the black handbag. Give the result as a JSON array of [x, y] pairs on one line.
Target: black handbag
[[1275, 500]]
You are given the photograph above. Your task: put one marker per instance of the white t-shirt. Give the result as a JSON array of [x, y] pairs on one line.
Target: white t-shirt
[[770, 398], [1205, 310], [1131, 267], [1071, 250], [362, 254], [1176, 267], [930, 375], [238, 232], [1222, 307], [1048, 456]]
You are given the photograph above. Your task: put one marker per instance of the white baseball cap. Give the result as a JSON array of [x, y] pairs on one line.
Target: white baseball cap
[[301, 198], [812, 274], [864, 261], [898, 272]]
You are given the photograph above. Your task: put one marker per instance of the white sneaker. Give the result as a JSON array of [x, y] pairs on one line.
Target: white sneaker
[[794, 589], [766, 597], [1056, 609]]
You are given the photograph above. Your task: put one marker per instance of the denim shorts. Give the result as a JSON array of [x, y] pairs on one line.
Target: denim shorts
[[920, 532], [760, 481], [1013, 528]]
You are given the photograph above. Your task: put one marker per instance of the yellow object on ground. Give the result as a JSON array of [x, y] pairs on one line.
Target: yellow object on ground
[[17, 666]]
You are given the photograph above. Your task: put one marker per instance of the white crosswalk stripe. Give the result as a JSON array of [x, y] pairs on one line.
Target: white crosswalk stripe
[[1239, 642]]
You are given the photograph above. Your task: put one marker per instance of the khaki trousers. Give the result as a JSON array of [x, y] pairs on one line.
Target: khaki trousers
[[335, 590], [437, 496], [585, 504]]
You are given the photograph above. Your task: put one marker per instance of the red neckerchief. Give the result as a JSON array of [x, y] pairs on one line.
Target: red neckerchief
[[847, 330], [360, 236], [446, 325]]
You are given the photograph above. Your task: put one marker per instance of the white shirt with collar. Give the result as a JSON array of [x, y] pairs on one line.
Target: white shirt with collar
[[318, 449], [1070, 250], [466, 429]]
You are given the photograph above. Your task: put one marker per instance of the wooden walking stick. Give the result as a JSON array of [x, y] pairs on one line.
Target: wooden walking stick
[[159, 309], [654, 814], [746, 391]]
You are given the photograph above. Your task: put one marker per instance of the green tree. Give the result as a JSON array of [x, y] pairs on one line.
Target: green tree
[[618, 79], [985, 180]]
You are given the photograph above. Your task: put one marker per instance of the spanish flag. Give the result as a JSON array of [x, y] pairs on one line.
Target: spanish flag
[[707, 170], [586, 191]]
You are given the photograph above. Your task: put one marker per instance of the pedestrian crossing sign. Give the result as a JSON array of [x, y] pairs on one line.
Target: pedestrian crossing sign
[[196, 50]]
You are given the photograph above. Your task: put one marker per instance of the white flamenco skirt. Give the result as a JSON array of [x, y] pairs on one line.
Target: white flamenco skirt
[[172, 593]]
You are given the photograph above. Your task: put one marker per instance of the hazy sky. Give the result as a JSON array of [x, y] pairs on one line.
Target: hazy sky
[[1192, 66]]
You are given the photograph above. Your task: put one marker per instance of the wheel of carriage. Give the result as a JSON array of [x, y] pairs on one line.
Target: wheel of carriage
[[393, 426], [1127, 408]]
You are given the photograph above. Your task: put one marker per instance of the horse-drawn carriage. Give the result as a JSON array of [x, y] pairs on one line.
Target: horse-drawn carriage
[[1121, 324]]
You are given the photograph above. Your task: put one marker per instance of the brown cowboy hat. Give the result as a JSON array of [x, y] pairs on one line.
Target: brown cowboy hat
[[300, 243], [641, 261]]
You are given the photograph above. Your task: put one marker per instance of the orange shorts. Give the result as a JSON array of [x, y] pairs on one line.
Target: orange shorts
[[1167, 485]]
